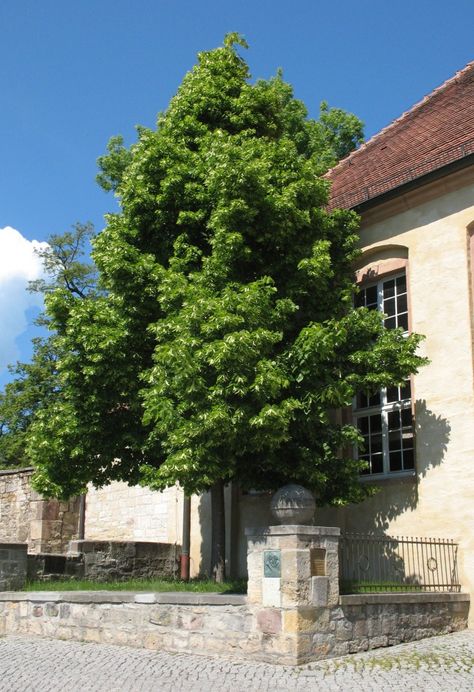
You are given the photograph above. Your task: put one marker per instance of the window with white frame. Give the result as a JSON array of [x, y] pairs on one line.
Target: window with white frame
[[384, 419]]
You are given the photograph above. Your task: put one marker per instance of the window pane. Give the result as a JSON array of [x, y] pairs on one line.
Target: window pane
[[395, 461], [377, 463], [401, 284], [389, 307], [407, 419], [374, 400], [376, 444], [367, 401], [392, 394], [363, 425], [402, 303], [393, 420], [371, 295], [405, 392], [390, 323], [389, 288], [359, 300], [408, 459], [394, 440], [375, 424], [402, 321]]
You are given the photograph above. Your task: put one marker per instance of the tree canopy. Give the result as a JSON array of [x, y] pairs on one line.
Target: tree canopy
[[223, 336]]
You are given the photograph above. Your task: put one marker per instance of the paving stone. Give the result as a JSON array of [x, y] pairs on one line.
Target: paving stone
[[30, 664]]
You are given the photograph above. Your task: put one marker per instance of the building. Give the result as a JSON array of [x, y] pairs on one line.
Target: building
[[413, 185]]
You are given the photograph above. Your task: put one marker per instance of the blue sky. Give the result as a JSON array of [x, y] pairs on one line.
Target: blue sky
[[72, 74]]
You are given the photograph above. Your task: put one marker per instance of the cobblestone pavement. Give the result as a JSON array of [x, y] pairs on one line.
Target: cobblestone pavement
[[29, 664]]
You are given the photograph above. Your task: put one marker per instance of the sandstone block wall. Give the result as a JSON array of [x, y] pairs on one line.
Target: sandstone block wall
[[119, 560], [26, 517], [124, 513], [229, 626], [15, 498]]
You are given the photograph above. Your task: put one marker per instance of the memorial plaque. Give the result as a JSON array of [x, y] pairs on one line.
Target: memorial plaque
[[271, 563], [318, 562]]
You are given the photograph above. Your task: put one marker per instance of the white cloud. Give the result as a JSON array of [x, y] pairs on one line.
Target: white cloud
[[18, 265]]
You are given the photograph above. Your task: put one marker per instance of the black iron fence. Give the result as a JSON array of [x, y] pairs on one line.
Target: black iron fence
[[394, 563]]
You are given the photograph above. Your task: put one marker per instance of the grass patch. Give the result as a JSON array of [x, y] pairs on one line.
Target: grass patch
[[237, 586], [354, 587]]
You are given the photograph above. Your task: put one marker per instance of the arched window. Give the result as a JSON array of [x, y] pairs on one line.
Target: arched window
[[384, 418]]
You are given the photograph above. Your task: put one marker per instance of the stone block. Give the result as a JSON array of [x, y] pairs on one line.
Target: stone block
[[296, 593], [344, 630], [271, 592], [269, 620], [51, 610], [319, 591], [301, 620]]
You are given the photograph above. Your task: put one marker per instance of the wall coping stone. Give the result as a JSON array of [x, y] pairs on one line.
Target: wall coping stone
[[294, 530], [82, 545], [12, 472], [166, 597], [407, 597]]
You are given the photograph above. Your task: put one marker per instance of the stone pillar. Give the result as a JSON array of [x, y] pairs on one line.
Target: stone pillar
[[293, 584], [53, 524], [13, 565]]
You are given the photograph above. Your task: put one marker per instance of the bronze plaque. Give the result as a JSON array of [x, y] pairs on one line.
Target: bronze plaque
[[271, 563], [318, 562]]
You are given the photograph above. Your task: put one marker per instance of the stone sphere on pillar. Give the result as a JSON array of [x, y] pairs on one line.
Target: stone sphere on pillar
[[293, 504]]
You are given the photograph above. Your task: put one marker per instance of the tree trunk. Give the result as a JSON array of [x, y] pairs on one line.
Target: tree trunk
[[218, 532]]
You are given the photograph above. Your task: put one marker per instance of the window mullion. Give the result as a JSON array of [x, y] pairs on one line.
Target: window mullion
[[386, 455]]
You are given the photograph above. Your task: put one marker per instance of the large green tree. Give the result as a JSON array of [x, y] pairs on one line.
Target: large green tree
[[225, 335]]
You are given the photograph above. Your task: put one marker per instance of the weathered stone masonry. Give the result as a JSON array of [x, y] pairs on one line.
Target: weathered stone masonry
[[46, 526], [293, 613]]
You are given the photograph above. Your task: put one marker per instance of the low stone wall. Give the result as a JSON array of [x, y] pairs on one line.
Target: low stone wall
[[13, 565], [371, 621], [229, 625], [198, 623], [121, 560]]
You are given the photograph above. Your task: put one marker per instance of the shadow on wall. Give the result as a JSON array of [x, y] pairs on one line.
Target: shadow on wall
[[374, 515], [397, 495]]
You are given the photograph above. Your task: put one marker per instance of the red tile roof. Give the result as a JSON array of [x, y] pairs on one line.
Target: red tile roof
[[437, 131]]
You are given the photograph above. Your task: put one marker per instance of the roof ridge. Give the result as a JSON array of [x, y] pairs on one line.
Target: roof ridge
[[347, 161]]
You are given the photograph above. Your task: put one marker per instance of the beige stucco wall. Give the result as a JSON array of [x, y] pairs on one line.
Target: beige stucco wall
[[121, 512], [432, 224], [439, 502]]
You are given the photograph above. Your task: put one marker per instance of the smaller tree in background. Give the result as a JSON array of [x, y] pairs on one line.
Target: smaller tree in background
[[36, 385]]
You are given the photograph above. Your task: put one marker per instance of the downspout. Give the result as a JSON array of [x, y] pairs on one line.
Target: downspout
[[82, 517], [186, 543]]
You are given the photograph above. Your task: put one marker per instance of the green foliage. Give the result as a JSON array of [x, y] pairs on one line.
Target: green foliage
[[225, 337], [113, 164]]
